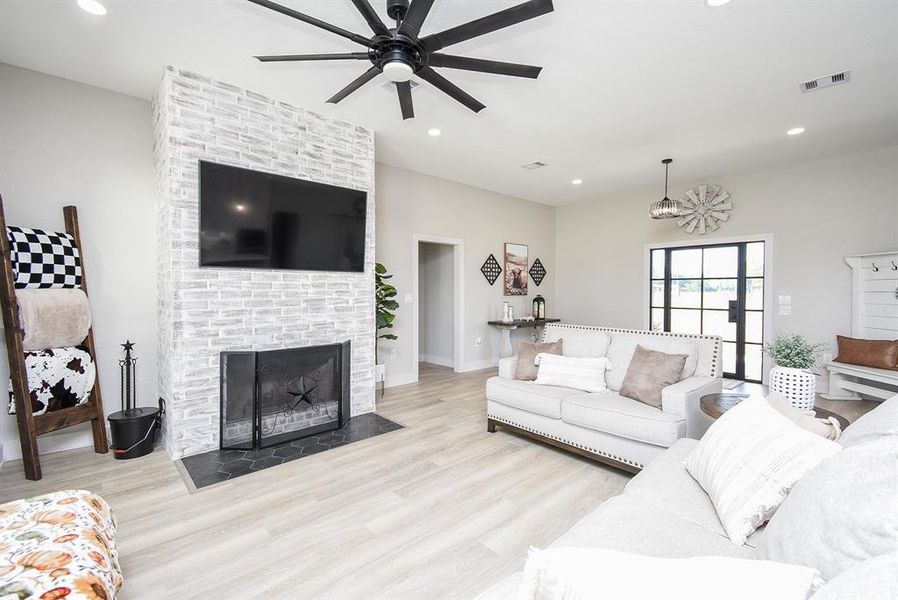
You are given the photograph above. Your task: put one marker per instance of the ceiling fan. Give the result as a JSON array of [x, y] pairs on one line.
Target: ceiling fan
[[399, 53]]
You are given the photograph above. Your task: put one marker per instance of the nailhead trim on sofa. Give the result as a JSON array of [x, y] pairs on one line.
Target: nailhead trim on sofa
[[715, 360], [568, 442]]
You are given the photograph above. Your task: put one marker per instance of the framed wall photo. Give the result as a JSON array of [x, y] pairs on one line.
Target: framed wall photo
[[515, 270]]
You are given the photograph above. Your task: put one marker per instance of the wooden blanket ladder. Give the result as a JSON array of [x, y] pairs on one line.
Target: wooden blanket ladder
[[31, 425]]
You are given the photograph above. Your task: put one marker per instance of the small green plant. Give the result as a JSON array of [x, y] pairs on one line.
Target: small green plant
[[793, 351], [385, 305]]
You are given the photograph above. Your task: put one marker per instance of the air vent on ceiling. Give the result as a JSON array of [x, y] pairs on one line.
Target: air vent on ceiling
[[827, 81], [534, 165]]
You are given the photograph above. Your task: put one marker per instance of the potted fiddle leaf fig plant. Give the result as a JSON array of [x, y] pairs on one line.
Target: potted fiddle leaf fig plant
[[793, 356], [385, 310]]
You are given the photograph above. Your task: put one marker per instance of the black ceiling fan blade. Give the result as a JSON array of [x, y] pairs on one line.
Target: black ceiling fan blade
[[404, 88], [374, 22], [359, 39], [356, 84], [500, 20], [447, 87], [304, 57], [484, 66], [414, 18]]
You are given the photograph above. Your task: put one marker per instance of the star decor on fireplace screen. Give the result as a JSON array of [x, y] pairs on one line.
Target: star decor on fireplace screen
[[491, 269], [537, 272]]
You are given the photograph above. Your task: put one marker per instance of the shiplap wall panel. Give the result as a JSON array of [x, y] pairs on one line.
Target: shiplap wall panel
[[875, 295]]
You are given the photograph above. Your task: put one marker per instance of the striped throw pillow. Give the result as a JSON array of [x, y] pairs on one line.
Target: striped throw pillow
[[572, 372], [749, 460]]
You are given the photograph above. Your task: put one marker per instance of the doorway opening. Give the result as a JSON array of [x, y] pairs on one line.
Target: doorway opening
[[439, 292], [715, 289]]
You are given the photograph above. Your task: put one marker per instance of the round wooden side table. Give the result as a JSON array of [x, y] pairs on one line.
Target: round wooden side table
[[715, 405]]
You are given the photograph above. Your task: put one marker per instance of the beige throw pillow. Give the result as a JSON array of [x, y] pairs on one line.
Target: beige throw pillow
[[650, 372], [526, 369]]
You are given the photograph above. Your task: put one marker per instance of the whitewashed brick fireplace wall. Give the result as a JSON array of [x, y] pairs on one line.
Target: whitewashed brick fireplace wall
[[202, 312]]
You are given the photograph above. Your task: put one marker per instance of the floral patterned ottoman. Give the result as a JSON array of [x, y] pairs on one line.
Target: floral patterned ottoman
[[61, 545]]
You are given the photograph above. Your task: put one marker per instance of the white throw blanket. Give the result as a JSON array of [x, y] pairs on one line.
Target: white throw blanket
[[53, 318]]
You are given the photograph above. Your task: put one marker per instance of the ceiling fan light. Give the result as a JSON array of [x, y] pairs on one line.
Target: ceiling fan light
[[92, 6], [398, 71]]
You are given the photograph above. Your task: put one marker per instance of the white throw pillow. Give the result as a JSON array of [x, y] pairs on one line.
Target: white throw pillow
[[596, 573], [748, 461], [568, 371]]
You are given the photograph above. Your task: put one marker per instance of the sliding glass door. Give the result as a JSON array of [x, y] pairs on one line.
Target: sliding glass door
[[713, 289]]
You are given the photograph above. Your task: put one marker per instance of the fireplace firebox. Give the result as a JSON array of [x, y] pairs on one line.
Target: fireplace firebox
[[275, 396]]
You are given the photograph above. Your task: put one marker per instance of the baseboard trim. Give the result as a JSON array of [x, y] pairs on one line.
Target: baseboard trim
[[399, 379], [48, 444], [478, 365], [437, 360]]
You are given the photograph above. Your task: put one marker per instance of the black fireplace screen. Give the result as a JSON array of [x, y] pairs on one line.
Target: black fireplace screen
[[272, 397]]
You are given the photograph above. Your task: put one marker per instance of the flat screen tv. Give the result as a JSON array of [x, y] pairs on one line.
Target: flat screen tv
[[257, 220]]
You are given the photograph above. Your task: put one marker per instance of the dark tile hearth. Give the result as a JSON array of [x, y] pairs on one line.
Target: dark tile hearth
[[221, 465]]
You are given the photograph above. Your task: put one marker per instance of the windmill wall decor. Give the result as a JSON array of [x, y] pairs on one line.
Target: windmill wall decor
[[704, 208]]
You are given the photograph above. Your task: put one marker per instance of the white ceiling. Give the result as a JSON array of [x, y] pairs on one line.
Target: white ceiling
[[625, 84]]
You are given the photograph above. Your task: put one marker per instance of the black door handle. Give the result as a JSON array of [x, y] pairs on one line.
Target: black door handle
[[734, 311]]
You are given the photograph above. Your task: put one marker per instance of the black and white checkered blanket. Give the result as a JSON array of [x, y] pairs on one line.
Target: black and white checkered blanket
[[43, 259]]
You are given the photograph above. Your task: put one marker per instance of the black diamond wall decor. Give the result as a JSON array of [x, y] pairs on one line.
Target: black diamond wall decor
[[537, 272], [491, 269]]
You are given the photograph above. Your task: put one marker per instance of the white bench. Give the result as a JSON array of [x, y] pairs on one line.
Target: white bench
[[847, 382]]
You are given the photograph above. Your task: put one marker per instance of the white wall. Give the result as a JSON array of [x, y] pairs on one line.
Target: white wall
[[62, 143], [436, 304], [411, 203], [818, 213]]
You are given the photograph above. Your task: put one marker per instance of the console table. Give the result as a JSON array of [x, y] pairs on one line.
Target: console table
[[506, 327]]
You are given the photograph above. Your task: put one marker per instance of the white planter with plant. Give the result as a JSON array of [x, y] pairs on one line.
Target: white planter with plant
[[793, 356]]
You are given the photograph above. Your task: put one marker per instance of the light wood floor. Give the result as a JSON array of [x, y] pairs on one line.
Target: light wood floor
[[440, 509]]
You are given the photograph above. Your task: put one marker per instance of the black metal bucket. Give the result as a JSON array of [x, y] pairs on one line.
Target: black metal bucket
[[134, 431]]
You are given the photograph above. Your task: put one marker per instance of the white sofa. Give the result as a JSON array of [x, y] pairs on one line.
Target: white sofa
[[664, 512], [606, 426]]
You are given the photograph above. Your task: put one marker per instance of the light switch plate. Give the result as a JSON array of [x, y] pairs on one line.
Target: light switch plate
[[409, 298], [785, 309], [785, 299]]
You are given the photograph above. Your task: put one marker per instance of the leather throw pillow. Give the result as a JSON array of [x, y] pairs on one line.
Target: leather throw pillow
[[881, 354], [526, 368], [650, 372]]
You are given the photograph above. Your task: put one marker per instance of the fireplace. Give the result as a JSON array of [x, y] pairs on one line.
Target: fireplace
[[272, 397]]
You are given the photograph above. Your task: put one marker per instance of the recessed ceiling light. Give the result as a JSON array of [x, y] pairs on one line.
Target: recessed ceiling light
[[795, 131], [717, 2], [576, 181], [434, 132], [92, 6]]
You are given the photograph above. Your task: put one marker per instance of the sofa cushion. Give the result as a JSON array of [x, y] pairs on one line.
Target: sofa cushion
[[841, 513], [882, 420], [666, 484], [623, 345], [540, 399], [585, 343], [628, 524], [650, 372], [610, 412], [873, 578]]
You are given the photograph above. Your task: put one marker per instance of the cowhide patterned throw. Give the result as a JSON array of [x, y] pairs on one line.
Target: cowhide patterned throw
[[57, 378]]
